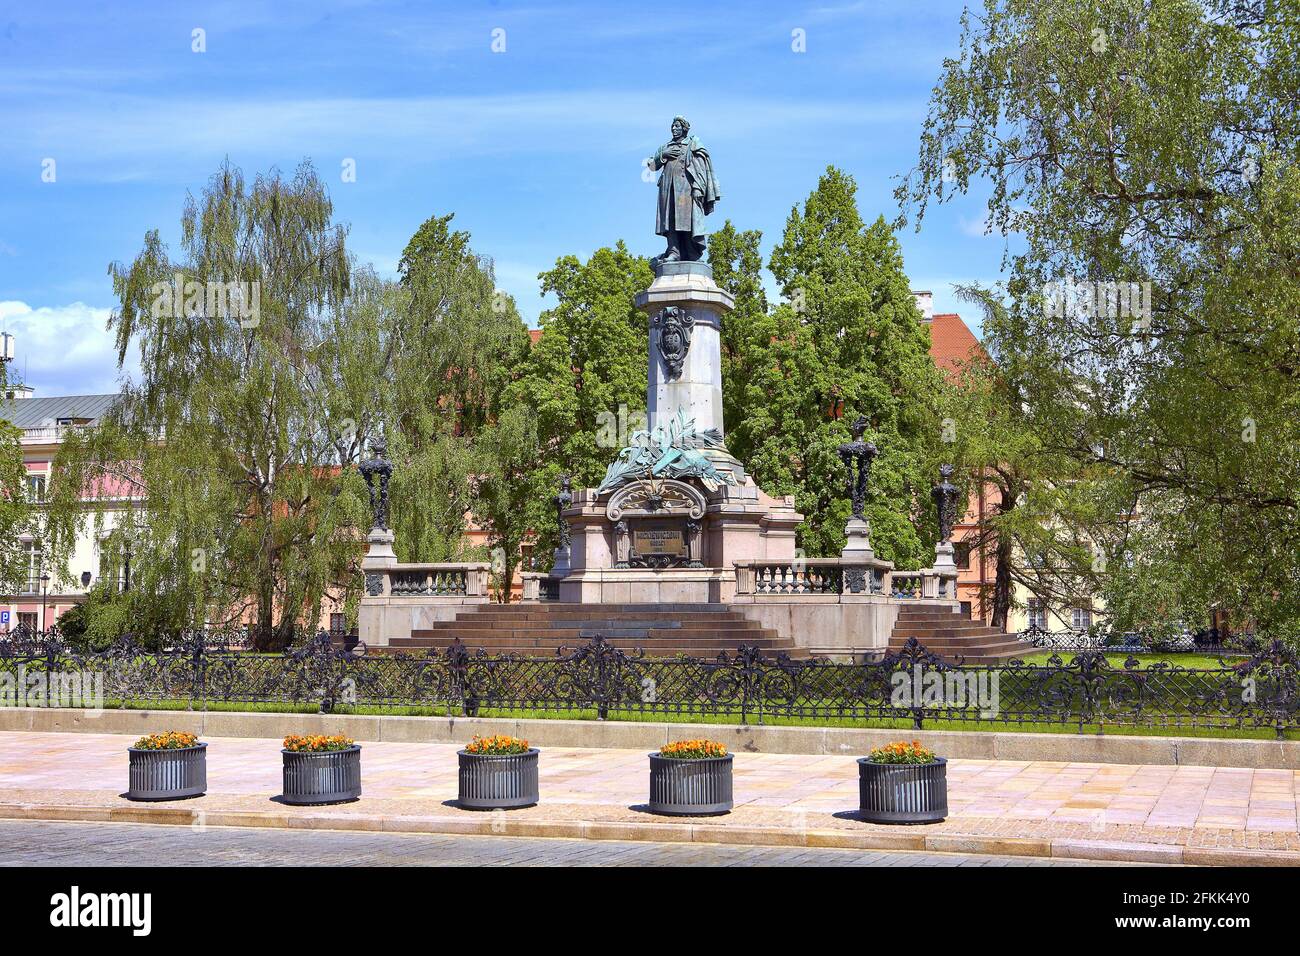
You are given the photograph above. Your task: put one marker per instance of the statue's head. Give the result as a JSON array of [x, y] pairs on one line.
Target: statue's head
[[680, 127]]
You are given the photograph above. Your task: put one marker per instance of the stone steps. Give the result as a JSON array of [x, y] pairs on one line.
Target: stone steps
[[538, 630], [951, 637], [612, 624], [551, 639]]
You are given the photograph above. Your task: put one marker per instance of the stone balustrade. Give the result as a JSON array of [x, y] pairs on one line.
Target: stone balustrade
[[907, 584], [539, 586], [443, 580], [814, 576], [811, 576], [935, 583]]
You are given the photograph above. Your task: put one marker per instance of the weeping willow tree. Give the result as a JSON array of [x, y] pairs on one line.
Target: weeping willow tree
[[231, 448], [225, 476]]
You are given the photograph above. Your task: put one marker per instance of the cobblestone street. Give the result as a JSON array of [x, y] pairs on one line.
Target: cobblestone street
[[38, 843]]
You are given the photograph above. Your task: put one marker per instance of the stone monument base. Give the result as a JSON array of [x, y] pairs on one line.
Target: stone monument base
[[661, 540], [648, 586]]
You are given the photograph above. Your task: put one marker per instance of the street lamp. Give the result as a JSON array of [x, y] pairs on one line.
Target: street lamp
[[45, 589]]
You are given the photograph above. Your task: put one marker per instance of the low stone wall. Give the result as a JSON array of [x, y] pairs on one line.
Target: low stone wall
[[739, 738], [401, 598], [842, 627]]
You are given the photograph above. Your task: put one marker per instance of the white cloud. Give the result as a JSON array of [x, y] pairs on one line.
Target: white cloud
[[62, 350]]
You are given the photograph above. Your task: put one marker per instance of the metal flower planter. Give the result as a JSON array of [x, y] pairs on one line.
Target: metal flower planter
[[903, 793], [498, 781], [690, 787], [167, 774], [333, 776]]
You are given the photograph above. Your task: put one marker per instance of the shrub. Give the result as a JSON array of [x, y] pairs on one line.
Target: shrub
[[316, 743], [693, 750], [167, 740], [498, 745], [902, 752]]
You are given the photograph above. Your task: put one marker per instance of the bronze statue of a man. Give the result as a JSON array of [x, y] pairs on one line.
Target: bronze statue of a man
[[687, 193]]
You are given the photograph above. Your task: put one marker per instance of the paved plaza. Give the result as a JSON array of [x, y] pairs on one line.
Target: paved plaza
[[1160, 814]]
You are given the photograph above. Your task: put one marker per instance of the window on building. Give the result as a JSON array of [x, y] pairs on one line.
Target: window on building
[[1037, 613], [1081, 618], [36, 487], [338, 623], [27, 620], [34, 562], [965, 608], [961, 553]]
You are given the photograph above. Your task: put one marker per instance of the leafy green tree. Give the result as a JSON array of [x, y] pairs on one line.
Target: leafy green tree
[[585, 379], [509, 485], [1045, 529], [1151, 143], [229, 438], [455, 347], [847, 337], [737, 263]]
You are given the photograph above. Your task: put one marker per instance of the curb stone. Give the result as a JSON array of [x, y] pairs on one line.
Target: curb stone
[[484, 825]]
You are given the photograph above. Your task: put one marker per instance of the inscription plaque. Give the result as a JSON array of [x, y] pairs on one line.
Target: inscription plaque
[[659, 541]]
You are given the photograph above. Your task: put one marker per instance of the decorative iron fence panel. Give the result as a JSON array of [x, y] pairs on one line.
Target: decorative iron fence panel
[[1255, 691]]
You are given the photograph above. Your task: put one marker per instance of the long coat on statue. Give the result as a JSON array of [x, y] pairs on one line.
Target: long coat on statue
[[687, 187]]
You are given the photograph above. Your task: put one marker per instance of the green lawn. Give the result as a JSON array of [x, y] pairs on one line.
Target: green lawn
[[1198, 661], [901, 724]]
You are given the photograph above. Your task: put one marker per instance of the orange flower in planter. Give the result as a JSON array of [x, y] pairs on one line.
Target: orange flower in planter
[[693, 750], [316, 743], [902, 752], [498, 745], [167, 740]]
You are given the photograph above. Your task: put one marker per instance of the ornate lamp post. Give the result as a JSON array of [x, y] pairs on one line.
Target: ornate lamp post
[[45, 590], [945, 503], [562, 502], [857, 456], [377, 470]]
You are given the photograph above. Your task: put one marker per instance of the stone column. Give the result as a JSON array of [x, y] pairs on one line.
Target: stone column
[[686, 309]]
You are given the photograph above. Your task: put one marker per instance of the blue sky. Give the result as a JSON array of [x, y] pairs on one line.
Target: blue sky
[[537, 149]]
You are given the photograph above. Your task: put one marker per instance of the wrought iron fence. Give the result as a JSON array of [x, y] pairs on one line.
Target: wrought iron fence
[[1205, 642], [1085, 693]]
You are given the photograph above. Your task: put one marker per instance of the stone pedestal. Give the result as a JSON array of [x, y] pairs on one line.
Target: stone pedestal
[[379, 551], [943, 557], [857, 546], [689, 382], [560, 567]]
